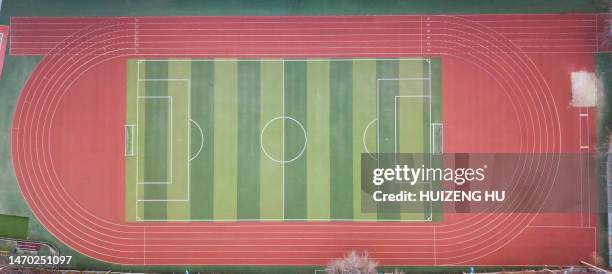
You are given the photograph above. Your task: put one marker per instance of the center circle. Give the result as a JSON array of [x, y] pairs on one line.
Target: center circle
[[283, 139]]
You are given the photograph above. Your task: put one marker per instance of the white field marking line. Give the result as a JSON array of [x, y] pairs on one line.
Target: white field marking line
[[195, 44], [588, 159], [305, 41], [137, 216], [231, 55], [215, 231], [259, 29], [372, 220], [585, 175], [378, 95], [18, 32], [288, 60], [407, 16], [327, 22], [430, 217], [189, 138], [137, 211], [201, 136], [363, 139], [588, 178], [283, 144], [260, 35], [171, 156], [382, 24], [323, 47], [580, 167], [233, 22], [430, 137], [303, 147], [188, 81]]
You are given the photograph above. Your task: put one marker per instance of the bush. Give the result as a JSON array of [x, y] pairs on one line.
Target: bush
[[353, 263]]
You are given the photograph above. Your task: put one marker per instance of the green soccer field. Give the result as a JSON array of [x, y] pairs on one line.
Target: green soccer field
[[271, 140]]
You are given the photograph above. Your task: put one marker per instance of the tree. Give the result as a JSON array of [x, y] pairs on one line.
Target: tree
[[353, 263]]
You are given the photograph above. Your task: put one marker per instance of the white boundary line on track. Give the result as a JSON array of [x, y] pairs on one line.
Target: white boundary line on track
[[283, 145], [304, 41], [594, 27]]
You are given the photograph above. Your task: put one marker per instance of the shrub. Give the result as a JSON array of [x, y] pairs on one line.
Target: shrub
[[353, 263]]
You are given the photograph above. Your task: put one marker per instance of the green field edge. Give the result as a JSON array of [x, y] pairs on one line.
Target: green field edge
[[12, 226]]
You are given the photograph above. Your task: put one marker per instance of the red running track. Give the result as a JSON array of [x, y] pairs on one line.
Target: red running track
[[505, 85]]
